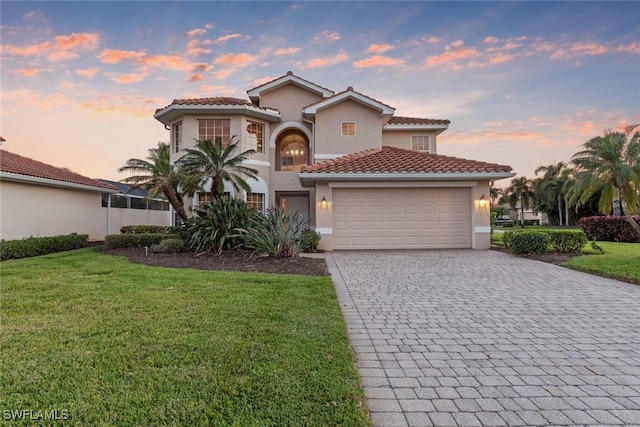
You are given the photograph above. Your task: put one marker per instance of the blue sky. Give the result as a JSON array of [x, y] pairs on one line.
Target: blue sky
[[523, 84]]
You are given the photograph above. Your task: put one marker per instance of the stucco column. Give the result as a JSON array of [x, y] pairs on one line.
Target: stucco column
[[324, 215], [481, 221]]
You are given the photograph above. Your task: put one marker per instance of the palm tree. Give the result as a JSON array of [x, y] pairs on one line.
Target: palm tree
[[552, 188], [157, 175], [218, 162], [610, 164], [495, 193], [521, 191]]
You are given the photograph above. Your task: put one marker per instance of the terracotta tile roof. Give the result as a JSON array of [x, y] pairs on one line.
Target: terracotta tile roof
[[398, 160], [397, 120], [14, 163], [289, 73], [209, 101]]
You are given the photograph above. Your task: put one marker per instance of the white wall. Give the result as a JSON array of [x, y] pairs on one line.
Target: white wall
[[28, 210]]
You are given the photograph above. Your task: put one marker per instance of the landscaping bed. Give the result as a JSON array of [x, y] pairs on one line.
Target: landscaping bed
[[229, 260]]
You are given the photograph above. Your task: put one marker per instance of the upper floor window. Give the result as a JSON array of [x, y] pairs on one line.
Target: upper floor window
[[348, 128], [256, 136], [176, 136], [292, 151], [211, 129], [204, 198], [420, 143], [256, 200]]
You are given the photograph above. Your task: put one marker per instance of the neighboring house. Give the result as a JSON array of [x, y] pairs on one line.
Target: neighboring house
[[362, 177], [529, 215], [37, 200]]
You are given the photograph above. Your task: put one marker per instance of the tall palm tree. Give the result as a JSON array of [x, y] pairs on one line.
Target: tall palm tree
[[212, 160], [610, 164], [494, 194], [552, 188], [521, 191], [157, 175]]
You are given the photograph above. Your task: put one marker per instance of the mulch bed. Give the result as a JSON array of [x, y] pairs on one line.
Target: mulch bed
[[556, 258], [233, 260]]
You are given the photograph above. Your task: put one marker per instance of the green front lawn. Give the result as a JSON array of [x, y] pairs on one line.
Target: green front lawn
[[115, 343], [619, 261]]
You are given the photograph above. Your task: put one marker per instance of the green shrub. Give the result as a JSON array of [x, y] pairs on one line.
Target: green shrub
[[530, 242], [144, 229], [35, 246], [310, 240], [507, 238], [113, 241], [276, 233], [218, 225], [567, 240], [508, 224], [171, 246]]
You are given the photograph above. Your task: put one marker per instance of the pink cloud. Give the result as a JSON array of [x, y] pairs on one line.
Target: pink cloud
[[62, 55], [331, 36], [129, 78], [228, 37], [287, 51], [36, 49], [172, 62], [378, 61], [194, 78], [235, 59], [136, 105], [500, 58], [217, 90], [589, 48], [75, 40], [27, 72], [490, 40], [433, 40], [630, 48], [328, 60], [457, 43], [379, 48], [87, 72], [450, 57], [223, 74], [196, 47], [199, 31], [114, 56]]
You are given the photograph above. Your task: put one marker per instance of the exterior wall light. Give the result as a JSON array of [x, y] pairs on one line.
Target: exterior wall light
[[483, 201], [323, 203]]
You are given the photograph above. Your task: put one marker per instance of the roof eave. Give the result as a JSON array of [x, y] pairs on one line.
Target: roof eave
[[439, 128], [28, 179], [385, 110], [172, 112], [254, 94], [308, 179]]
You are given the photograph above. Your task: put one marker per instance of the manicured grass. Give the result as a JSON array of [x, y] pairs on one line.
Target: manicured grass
[[121, 344], [619, 261]]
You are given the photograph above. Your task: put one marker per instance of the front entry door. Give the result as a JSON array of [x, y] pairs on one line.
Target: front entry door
[[291, 203]]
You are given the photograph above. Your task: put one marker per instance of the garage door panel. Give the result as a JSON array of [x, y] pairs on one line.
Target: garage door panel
[[385, 218]]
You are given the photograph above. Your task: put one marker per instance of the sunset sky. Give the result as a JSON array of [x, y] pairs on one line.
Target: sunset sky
[[524, 84]]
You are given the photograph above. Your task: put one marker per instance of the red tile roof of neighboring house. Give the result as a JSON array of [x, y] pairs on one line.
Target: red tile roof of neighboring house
[[397, 120], [16, 164], [210, 101], [398, 160]]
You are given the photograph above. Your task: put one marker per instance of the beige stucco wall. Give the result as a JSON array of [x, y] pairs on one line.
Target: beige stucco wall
[[328, 138], [119, 217], [33, 210], [290, 109], [402, 139]]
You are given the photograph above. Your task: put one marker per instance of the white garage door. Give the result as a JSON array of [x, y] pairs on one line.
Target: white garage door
[[394, 218]]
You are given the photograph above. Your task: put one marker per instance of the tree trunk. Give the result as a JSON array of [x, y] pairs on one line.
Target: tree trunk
[[559, 209], [521, 214], [176, 202], [566, 213], [628, 216]]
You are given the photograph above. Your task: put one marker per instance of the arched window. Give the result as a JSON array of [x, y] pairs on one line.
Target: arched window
[[292, 151]]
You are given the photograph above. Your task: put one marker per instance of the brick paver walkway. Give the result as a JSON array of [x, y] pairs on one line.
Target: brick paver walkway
[[480, 338]]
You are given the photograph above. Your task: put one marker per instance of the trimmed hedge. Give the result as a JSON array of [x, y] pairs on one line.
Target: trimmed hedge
[[571, 241], [530, 242], [145, 229], [567, 241], [36, 246], [609, 228], [113, 241]]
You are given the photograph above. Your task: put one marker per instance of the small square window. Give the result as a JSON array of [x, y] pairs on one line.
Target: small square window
[[256, 200], [420, 143], [348, 128]]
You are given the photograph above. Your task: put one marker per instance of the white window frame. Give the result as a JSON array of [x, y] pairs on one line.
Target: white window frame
[[260, 202], [342, 129], [423, 140], [225, 138], [176, 136], [252, 139]]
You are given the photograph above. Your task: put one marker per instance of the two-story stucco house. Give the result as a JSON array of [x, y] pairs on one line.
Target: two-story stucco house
[[364, 178]]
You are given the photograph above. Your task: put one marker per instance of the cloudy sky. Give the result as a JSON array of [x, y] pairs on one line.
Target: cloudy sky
[[523, 84]]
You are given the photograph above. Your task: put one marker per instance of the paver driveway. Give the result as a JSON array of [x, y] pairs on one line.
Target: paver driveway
[[474, 338]]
